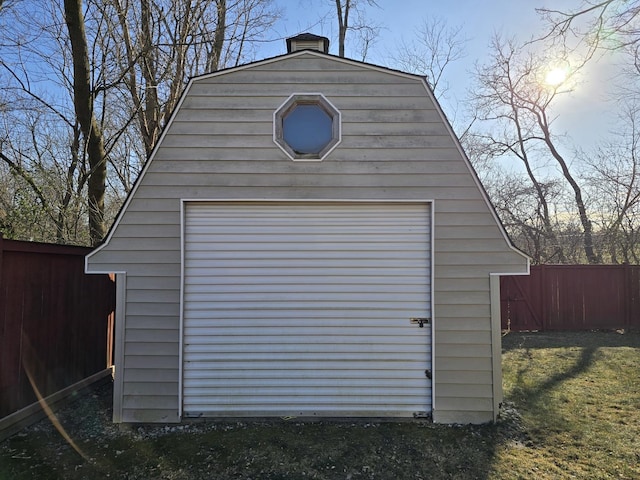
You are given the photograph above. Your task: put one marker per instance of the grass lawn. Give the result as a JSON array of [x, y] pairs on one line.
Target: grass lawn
[[579, 396], [572, 411]]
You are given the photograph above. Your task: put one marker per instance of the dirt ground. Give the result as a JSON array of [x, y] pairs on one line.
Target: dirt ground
[[275, 449]]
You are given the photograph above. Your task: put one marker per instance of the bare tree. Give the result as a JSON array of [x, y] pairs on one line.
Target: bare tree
[[345, 12], [39, 136], [433, 48], [36, 184], [83, 99], [519, 205], [175, 41], [608, 24], [107, 74], [613, 176], [514, 100]]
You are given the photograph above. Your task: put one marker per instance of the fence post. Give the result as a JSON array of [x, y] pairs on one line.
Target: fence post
[[1, 252], [633, 314], [1, 247], [544, 298], [1, 275], [628, 296]]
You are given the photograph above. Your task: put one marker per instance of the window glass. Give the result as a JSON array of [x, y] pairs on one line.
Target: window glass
[[307, 129]]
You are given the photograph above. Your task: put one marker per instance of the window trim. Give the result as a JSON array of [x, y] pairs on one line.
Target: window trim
[[289, 104]]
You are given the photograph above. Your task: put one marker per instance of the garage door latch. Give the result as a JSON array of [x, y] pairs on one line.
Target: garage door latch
[[420, 321]]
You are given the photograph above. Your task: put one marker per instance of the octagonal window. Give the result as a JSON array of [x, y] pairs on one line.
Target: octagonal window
[[307, 127]]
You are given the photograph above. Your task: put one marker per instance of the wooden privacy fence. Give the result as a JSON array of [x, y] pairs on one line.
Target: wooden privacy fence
[[56, 322], [572, 297]]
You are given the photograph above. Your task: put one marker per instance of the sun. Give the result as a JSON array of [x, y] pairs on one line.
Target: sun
[[556, 76]]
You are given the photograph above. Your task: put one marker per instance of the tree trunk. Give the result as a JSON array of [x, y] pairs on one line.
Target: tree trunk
[[343, 23], [213, 62], [521, 153], [148, 62], [587, 229], [83, 103]]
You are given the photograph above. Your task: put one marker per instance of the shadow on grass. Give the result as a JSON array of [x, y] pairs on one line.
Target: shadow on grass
[[540, 388], [588, 342]]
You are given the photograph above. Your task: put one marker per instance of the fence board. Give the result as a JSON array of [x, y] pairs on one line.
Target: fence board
[[56, 322], [572, 297]]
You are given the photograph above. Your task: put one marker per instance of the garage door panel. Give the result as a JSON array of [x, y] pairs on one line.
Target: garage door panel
[[311, 334], [330, 367], [277, 286], [304, 309], [298, 375], [305, 381], [290, 294], [291, 357], [305, 272], [316, 393], [252, 252], [363, 266], [202, 317], [206, 280], [393, 337]]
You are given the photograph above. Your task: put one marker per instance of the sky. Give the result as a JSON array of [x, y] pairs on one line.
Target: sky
[[585, 113], [401, 17]]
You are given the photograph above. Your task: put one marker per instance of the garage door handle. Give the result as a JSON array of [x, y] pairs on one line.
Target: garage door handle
[[420, 321]]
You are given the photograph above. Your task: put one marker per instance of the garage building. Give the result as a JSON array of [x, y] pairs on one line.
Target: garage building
[[307, 239]]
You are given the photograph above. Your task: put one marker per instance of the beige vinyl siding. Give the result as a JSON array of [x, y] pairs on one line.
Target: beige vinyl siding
[[395, 146], [152, 345]]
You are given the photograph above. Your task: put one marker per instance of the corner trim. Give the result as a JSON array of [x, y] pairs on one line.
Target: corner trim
[[118, 369], [496, 344]]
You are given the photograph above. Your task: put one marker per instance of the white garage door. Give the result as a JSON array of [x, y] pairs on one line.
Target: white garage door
[[303, 309]]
